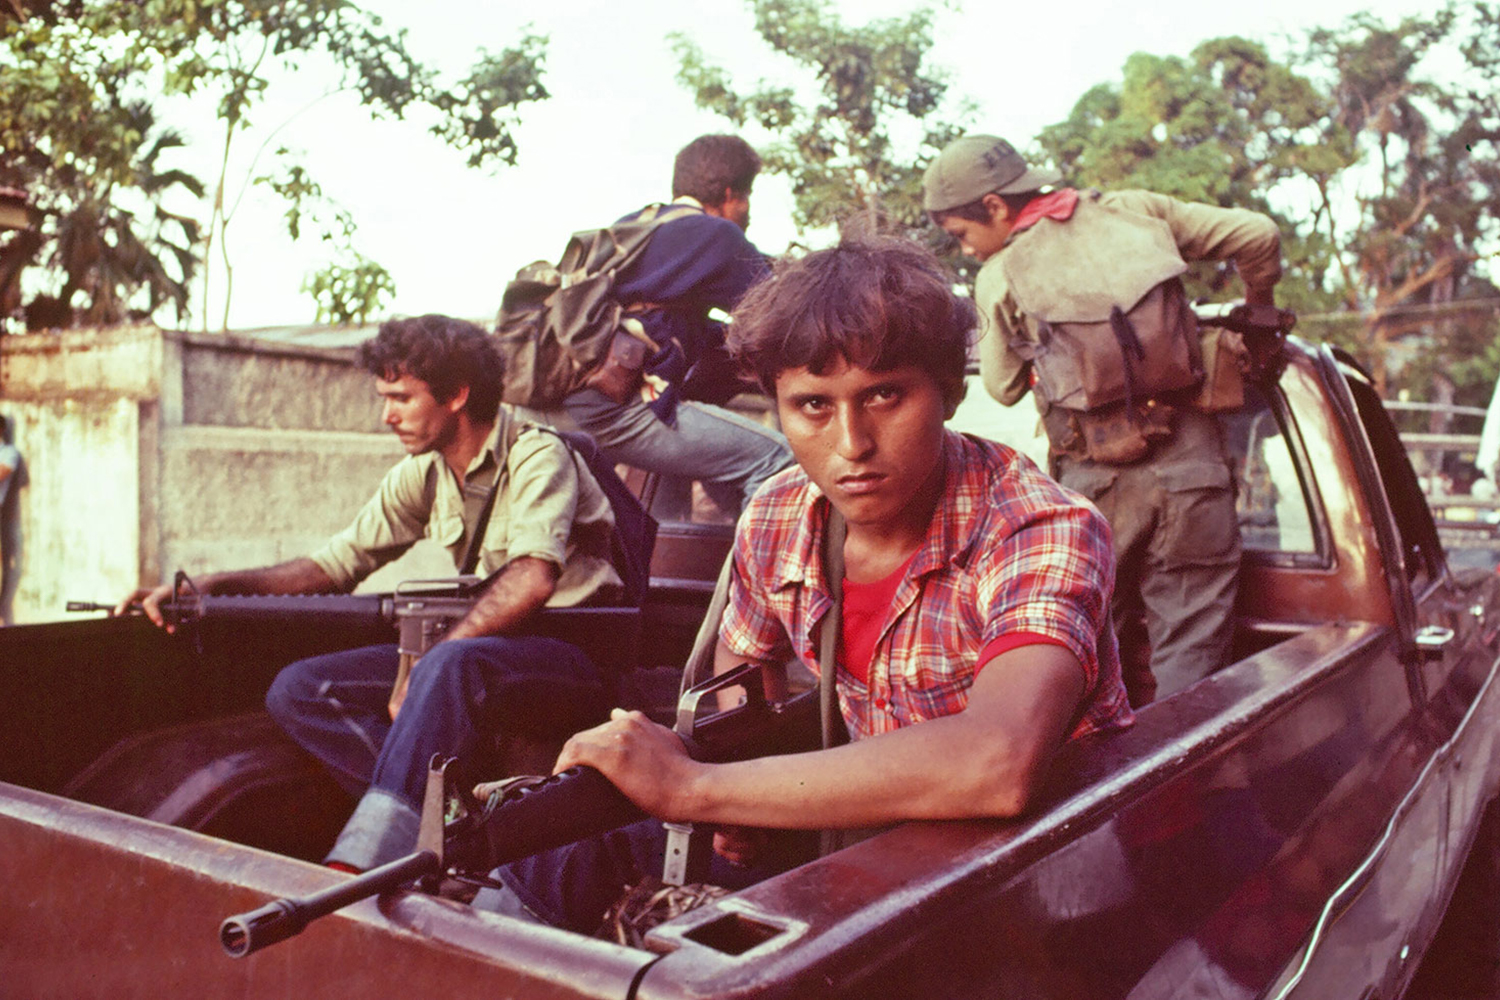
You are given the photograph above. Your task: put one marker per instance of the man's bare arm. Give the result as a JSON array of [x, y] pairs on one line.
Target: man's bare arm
[[296, 576], [521, 589], [985, 761]]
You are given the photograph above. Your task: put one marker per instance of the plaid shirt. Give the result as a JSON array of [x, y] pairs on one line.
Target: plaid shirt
[[1009, 550]]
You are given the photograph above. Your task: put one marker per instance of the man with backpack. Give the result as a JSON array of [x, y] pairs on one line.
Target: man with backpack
[[1081, 304], [645, 372], [509, 501]]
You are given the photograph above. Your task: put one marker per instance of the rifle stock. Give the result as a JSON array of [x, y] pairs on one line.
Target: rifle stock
[[581, 802]]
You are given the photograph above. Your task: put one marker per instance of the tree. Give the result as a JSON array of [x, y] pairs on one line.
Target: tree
[[1226, 126], [1381, 173], [1429, 145], [351, 286], [349, 290], [101, 247], [76, 119], [855, 137]]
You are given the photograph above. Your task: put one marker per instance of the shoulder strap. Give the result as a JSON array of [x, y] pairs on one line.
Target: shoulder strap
[[700, 662], [833, 623], [828, 666], [481, 523]]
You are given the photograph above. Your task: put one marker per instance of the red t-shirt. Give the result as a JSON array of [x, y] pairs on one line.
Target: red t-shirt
[[865, 606]]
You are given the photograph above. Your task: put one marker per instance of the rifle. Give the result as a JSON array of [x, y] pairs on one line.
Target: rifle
[[1264, 329], [420, 611], [530, 817]]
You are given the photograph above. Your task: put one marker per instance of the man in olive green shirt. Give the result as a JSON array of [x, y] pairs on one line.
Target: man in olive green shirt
[[1171, 506], [546, 542]]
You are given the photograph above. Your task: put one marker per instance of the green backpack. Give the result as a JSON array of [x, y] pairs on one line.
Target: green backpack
[[558, 321], [1111, 322]]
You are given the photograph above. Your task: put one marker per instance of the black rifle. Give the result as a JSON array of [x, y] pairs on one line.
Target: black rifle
[[420, 612], [1264, 329], [551, 812]]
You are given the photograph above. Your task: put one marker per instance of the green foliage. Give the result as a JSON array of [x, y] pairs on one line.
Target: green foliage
[[1225, 127], [351, 286], [349, 290], [307, 205], [1374, 148], [855, 131], [108, 235], [1428, 142], [480, 110], [78, 129]]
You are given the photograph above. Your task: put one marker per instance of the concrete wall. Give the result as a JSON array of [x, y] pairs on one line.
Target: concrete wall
[[147, 451], [236, 382]]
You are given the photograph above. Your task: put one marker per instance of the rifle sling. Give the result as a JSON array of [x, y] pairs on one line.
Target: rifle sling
[[700, 662], [482, 519], [833, 623]]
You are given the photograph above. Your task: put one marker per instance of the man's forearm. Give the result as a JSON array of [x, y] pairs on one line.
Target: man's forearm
[[985, 761], [1005, 376], [941, 769], [522, 588], [298, 576]]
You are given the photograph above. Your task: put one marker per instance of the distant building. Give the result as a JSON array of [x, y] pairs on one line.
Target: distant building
[[150, 451]]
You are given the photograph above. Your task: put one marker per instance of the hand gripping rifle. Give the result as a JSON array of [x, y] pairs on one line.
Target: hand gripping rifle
[[530, 817], [1264, 330]]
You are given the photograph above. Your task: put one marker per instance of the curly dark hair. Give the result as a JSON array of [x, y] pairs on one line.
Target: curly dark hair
[[446, 353], [711, 163], [877, 302]]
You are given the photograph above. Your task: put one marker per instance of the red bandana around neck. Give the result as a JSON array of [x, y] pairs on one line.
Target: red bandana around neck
[[1057, 205]]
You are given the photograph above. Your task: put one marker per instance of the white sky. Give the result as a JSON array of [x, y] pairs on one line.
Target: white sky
[[603, 144]]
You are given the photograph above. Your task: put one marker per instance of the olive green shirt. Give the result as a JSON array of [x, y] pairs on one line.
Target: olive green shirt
[[1202, 232], [548, 507]]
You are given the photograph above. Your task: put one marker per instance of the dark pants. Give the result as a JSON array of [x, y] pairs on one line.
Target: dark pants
[[573, 886], [460, 693], [1177, 552]]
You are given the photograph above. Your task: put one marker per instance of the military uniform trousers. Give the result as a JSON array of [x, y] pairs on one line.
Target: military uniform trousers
[[1177, 551]]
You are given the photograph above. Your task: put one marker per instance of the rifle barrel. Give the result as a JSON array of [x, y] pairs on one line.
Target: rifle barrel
[[280, 919], [342, 609]]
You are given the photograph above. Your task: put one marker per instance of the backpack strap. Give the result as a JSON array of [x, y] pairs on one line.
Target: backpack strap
[[634, 537]]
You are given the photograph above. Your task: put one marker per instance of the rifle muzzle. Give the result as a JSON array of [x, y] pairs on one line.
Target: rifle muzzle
[[276, 921]]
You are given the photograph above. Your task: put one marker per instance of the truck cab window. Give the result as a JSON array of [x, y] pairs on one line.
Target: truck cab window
[[1274, 512]]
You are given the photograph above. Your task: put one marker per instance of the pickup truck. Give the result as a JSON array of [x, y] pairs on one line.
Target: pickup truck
[[1297, 824]]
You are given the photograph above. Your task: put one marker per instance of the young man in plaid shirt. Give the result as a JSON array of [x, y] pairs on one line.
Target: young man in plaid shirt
[[976, 632]]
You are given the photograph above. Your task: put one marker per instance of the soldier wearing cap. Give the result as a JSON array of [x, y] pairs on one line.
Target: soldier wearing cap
[[1172, 506]]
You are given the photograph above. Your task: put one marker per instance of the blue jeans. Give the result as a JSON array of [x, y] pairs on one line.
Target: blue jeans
[[729, 454], [573, 886], [460, 692]]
